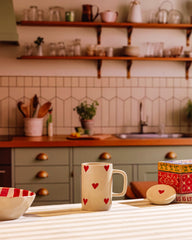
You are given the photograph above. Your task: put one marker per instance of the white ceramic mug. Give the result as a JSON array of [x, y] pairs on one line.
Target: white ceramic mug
[[96, 185]]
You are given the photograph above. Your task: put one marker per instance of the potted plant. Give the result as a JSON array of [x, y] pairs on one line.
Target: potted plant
[[39, 41], [188, 113], [86, 113]]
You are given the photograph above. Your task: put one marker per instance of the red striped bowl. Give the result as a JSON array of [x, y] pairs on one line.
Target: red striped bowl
[[14, 202]]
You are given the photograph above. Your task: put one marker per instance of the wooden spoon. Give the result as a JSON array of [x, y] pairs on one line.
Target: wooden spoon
[[19, 107], [23, 109], [43, 110]]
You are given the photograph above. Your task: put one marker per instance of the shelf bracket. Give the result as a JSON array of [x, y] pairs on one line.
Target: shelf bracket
[[129, 33], [188, 34], [99, 29], [99, 65], [129, 64], [187, 66]]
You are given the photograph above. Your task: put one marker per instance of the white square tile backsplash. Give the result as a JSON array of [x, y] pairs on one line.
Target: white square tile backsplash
[[163, 101]]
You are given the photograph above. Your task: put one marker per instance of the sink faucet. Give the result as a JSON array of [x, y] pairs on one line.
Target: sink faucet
[[141, 123]]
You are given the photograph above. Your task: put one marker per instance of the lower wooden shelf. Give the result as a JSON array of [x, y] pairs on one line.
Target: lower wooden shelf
[[129, 60]]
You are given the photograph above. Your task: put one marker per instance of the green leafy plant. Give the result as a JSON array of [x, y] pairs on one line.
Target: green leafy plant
[[188, 111], [86, 111], [39, 41]]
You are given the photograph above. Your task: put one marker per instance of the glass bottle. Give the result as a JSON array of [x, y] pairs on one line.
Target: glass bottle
[[77, 47]]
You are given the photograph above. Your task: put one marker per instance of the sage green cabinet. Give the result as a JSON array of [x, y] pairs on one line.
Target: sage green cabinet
[[46, 169], [139, 162], [64, 168]]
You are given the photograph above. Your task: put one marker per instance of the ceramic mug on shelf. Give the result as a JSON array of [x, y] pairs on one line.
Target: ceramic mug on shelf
[[96, 185]]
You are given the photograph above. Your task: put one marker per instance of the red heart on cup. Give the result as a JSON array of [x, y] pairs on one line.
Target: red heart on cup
[[106, 167], [95, 185], [86, 168], [106, 200], [161, 191], [85, 201]]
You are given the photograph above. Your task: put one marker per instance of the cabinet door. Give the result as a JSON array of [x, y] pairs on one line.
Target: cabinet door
[[148, 172]]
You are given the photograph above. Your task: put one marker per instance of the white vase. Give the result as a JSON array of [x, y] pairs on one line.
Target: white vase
[[39, 50]]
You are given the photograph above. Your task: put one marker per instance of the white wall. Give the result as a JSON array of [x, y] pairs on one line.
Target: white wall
[[116, 38]]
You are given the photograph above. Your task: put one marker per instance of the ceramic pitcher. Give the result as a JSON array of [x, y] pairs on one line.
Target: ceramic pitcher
[[87, 13], [135, 14]]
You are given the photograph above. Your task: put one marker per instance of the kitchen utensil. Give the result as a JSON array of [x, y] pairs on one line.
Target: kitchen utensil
[[25, 109], [33, 105], [135, 14], [14, 202], [96, 185], [109, 16], [43, 110], [87, 13], [19, 107], [162, 14]]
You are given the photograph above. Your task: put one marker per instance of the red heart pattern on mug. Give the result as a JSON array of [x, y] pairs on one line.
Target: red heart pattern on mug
[[106, 167], [106, 200], [85, 200], [161, 191], [95, 185], [86, 168]]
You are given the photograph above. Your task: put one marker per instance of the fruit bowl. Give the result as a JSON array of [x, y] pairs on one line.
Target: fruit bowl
[[14, 202]]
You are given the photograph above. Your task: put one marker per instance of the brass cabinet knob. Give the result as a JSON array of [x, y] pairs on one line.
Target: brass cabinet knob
[[42, 192], [42, 174], [171, 155], [42, 157], [105, 156]]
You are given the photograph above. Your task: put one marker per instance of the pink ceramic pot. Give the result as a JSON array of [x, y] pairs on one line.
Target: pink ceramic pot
[[109, 16]]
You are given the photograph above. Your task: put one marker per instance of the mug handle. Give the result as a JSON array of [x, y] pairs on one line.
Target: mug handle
[[121, 194], [97, 13]]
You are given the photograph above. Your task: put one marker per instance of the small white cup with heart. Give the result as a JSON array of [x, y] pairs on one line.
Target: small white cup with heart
[[96, 185]]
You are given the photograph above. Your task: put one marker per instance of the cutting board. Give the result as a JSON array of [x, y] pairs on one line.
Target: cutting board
[[92, 137]]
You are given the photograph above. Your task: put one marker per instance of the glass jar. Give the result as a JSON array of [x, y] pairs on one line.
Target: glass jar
[[33, 13], [61, 49], [77, 47], [40, 15], [52, 49]]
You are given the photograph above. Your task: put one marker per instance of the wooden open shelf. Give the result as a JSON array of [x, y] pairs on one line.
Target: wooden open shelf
[[117, 58], [128, 26], [99, 25]]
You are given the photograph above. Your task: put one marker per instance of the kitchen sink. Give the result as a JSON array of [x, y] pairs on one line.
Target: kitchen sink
[[148, 135]]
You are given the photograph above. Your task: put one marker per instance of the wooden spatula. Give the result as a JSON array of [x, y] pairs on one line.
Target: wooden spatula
[[43, 110]]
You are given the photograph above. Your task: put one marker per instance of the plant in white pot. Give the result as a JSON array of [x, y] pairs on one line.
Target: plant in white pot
[[39, 41], [86, 113]]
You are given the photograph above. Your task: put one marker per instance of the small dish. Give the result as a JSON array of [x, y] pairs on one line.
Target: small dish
[[14, 202], [132, 51]]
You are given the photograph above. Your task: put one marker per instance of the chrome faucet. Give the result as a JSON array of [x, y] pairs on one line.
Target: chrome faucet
[[141, 123]]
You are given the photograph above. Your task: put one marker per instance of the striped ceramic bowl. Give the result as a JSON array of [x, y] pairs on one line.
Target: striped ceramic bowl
[[14, 202]]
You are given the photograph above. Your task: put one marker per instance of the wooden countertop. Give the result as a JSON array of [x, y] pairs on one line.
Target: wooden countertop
[[62, 141]]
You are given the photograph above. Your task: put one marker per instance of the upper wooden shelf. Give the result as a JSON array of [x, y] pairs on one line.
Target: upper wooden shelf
[[103, 24], [99, 25]]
